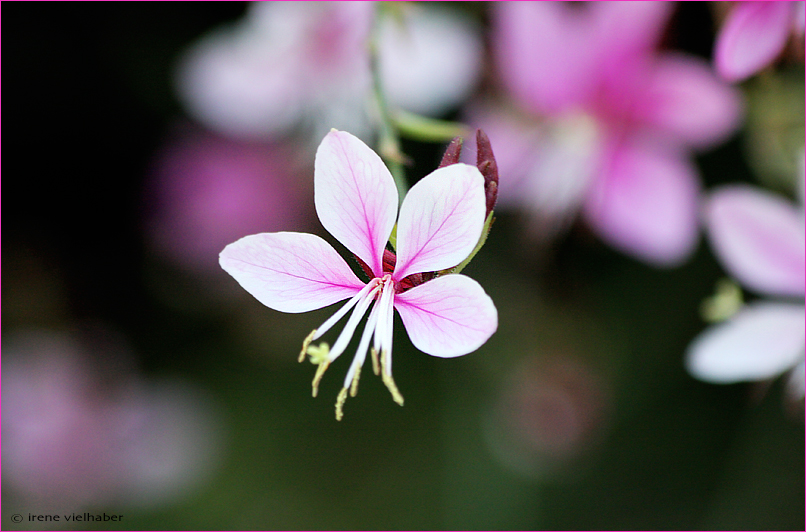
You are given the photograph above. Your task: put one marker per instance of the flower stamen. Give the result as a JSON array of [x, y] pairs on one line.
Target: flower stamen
[[332, 320], [323, 355], [305, 344], [349, 329], [376, 367], [354, 385], [342, 397], [361, 352], [318, 353], [318, 377], [388, 380]]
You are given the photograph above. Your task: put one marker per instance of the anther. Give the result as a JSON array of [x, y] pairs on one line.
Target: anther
[[390, 384], [389, 381], [354, 384], [305, 344], [340, 403], [318, 377], [376, 367]]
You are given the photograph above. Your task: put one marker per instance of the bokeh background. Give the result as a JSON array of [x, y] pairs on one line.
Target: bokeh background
[[139, 379]]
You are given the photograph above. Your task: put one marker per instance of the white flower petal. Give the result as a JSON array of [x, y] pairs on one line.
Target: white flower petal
[[449, 316], [440, 220], [759, 237], [760, 342], [355, 196], [430, 60], [290, 272]]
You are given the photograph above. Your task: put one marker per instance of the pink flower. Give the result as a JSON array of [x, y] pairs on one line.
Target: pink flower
[[439, 224], [81, 431], [612, 122], [754, 35], [759, 238], [257, 77], [207, 190], [550, 411], [292, 64]]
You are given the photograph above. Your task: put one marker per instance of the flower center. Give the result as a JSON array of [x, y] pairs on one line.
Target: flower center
[[389, 261]]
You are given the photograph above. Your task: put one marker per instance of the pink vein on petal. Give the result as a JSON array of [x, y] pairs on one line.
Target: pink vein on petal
[[449, 316], [290, 272], [440, 220], [355, 196]]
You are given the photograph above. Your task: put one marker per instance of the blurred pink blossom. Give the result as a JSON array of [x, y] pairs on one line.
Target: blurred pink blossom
[[550, 411], [208, 190], [610, 123], [291, 64], [753, 36], [759, 237], [81, 432]]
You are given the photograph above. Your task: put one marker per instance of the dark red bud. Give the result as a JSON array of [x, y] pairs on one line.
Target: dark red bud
[[414, 279], [452, 152], [488, 168], [410, 282], [364, 266], [389, 260], [485, 161]]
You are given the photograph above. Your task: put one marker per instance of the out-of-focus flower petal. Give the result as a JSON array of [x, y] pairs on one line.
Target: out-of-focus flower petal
[[759, 237], [627, 29], [207, 190], [568, 157], [546, 168], [284, 64], [290, 272], [545, 53], [330, 36], [799, 18], [554, 57], [645, 203], [752, 37], [430, 60], [171, 441], [514, 142], [238, 82], [355, 196], [686, 99], [324, 47], [447, 317], [80, 429], [440, 220], [800, 178], [760, 342]]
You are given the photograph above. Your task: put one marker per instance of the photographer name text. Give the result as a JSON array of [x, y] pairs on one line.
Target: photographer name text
[[86, 516]]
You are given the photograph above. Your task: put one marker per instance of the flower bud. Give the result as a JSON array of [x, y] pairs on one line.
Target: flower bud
[[485, 162], [452, 152]]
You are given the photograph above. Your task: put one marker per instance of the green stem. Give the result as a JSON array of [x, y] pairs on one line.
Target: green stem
[[426, 129]]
